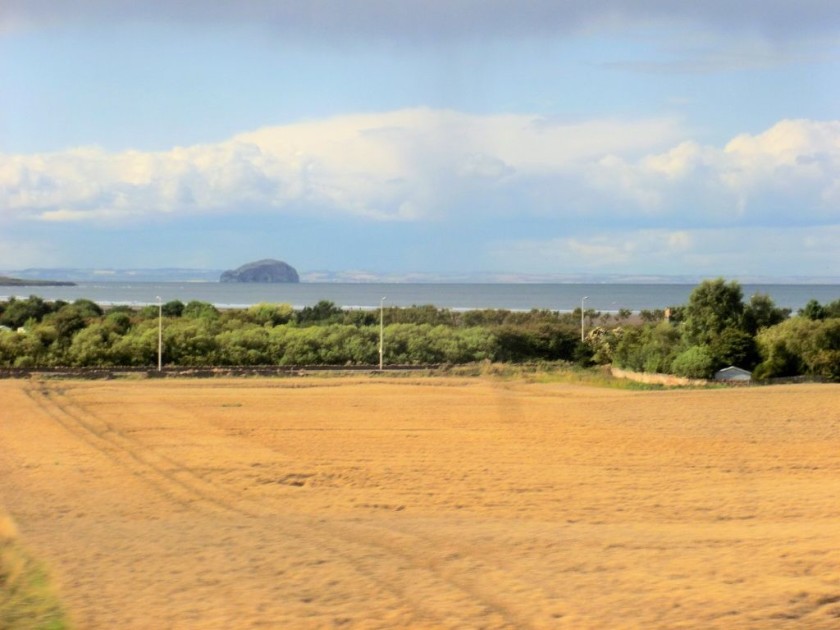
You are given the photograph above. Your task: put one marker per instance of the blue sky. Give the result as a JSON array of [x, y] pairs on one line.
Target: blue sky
[[629, 136]]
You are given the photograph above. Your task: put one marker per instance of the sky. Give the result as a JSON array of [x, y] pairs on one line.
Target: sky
[[638, 137]]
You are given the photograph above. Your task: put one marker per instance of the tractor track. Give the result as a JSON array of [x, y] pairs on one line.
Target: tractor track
[[381, 557]]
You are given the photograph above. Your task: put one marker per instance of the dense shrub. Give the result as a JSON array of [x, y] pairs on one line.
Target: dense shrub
[[648, 348], [695, 362], [800, 346], [18, 312]]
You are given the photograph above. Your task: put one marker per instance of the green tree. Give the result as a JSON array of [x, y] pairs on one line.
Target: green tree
[[786, 347], [68, 321], [137, 347], [825, 360], [604, 342], [694, 362], [91, 346], [734, 347], [832, 309], [813, 310], [649, 316], [324, 311], [118, 322], [190, 341], [713, 306], [195, 309], [649, 348], [244, 345], [36, 345], [87, 308], [542, 341], [762, 312], [18, 312], [660, 344], [301, 346], [270, 314], [11, 347], [627, 349], [173, 308]]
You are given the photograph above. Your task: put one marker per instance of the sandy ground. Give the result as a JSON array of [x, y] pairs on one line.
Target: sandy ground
[[427, 503]]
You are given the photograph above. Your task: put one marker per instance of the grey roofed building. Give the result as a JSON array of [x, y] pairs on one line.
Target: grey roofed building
[[733, 373]]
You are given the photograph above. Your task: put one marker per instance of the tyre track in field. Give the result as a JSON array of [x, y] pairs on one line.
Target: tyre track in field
[[126, 453], [510, 597], [413, 586], [155, 470]]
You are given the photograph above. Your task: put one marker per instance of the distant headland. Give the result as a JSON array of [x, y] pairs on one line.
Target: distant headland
[[5, 281], [268, 270]]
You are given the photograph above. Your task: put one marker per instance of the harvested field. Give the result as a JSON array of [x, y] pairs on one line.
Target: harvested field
[[365, 502]]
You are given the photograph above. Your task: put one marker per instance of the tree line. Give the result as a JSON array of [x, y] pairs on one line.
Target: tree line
[[714, 329], [717, 328]]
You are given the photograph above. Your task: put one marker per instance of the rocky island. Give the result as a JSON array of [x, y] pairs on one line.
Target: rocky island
[[262, 271]]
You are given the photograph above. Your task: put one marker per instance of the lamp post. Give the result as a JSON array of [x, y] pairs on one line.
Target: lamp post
[[160, 333], [582, 326], [381, 332]]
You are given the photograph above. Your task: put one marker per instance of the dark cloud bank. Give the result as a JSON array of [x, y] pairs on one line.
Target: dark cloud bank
[[443, 20]]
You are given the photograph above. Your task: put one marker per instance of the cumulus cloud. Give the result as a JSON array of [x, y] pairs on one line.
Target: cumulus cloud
[[785, 175], [435, 20], [406, 164], [422, 164]]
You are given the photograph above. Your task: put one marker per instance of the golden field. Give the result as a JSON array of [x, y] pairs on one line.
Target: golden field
[[365, 502]]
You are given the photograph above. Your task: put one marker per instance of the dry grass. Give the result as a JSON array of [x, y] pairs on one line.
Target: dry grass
[[27, 601], [428, 502]]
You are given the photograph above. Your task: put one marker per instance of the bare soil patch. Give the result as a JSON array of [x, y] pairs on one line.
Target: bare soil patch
[[363, 502]]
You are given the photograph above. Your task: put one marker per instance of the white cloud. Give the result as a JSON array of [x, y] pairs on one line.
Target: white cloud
[[405, 164], [789, 173], [417, 164]]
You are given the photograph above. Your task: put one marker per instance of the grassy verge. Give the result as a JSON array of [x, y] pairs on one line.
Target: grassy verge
[[27, 600], [550, 372]]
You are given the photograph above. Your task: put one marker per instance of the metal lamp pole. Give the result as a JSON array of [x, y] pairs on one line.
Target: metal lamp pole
[[582, 327], [160, 334], [381, 332]]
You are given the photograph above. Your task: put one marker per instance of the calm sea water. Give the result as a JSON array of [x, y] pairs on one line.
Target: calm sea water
[[558, 297]]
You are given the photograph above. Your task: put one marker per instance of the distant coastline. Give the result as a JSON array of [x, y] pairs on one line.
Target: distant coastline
[[191, 275], [5, 281], [461, 296]]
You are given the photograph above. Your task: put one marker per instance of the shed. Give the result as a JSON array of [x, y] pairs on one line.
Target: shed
[[733, 373]]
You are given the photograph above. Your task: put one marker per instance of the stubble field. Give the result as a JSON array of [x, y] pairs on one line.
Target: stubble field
[[427, 503]]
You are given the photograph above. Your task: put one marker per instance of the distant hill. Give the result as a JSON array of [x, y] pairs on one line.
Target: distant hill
[[5, 281], [268, 270]]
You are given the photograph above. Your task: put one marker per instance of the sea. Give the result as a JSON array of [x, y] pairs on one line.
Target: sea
[[563, 297]]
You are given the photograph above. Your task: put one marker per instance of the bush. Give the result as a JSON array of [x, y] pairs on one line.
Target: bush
[[270, 314], [696, 362], [18, 312], [784, 347], [173, 308], [196, 309], [734, 347]]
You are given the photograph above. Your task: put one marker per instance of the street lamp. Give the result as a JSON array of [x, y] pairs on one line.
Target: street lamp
[[160, 333], [582, 327], [381, 331]]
